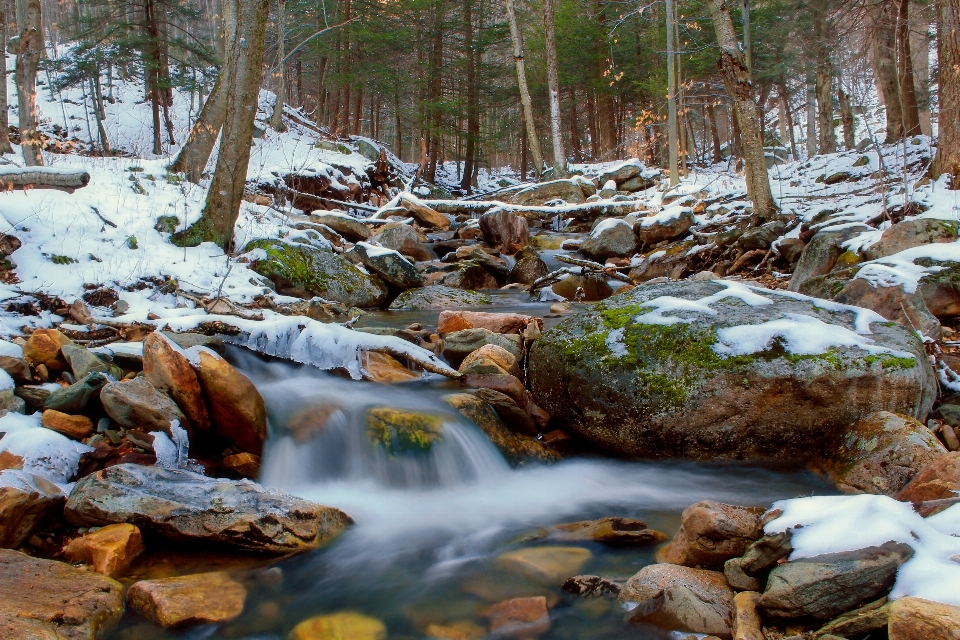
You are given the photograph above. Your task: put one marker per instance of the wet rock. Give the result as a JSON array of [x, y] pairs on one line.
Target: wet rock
[[43, 347], [529, 267], [671, 262], [510, 411], [567, 190], [912, 233], [580, 288], [519, 618], [611, 237], [77, 396], [504, 229], [242, 465], [505, 384], [467, 275], [591, 586], [711, 533], [438, 298], [84, 362], [918, 619], [746, 620], [498, 356], [457, 320], [169, 371], [200, 598], [52, 600], [765, 552], [825, 586], [26, 502], [660, 227], [463, 630], [136, 404], [340, 626], [893, 303], [399, 431], [236, 407], [406, 240], [739, 580], [459, 344], [821, 253], [867, 618], [76, 427], [390, 265], [761, 237], [109, 550], [189, 507], [305, 272], [547, 565], [879, 454], [937, 480], [381, 367], [610, 531], [517, 449], [680, 598], [346, 225], [633, 384]]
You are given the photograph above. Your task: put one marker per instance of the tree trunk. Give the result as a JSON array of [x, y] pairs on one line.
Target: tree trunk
[[29, 50], [785, 101], [921, 16], [846, 118], [473, 97], [575, 127], [222, 207], [553, 83], [947, 159], [828, 137], [883, 18], [736, 79], [811, 118], [714, 133], [276, 120], [908, 90], [533, 141], [672, 134], [5, 146]]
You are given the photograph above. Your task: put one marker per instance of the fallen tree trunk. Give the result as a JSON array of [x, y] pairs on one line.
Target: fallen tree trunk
[[43, 178]]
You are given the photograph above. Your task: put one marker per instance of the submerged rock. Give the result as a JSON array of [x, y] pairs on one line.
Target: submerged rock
[[343, 625], [720, 370], [399, 431], [547, 565], [519, 618], [200, 598], [438, 298], [609, 531], [186, 506]]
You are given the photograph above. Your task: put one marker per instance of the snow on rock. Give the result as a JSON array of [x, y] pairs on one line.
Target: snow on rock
[[44, 452]]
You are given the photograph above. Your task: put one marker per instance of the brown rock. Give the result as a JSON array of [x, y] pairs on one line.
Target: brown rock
[[26, 502], [343, 625], [43, 347], [548, 565], [711, 533], [245, 465], [423, 214], [939, 479], [919, 619], [893, 303], [236, 407], [508, 409], [76, 427], [18, 368], [654, 229], [381, 367], [500, 357], [593, 288], [867, 618], [464, 630], [611, 531], [501, 383], [136, 404], [50, 600], [169, 371], [746, 620], [110, 550], [517, 449], [504, 229], [198, 598], [519, 618], [739, 580]]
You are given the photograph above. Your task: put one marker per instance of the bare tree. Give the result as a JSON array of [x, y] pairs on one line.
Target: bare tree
[[5, 146], [947, 159], [524, 91], [29, 50], [553, 82], [276, 120]]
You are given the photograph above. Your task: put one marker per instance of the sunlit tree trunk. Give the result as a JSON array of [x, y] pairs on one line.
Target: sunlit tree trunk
[[29, 51], [5, 146], [533, 141], [947, 159], [882, 24], [553, 82]]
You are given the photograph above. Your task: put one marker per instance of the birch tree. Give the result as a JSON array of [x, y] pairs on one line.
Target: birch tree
[[29, 50], [533, 140], [553, 82]]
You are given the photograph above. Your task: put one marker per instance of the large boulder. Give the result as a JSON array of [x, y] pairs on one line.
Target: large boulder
[[437, 298], [405, 239], [893, 303], [468, 275], [529, 267], [912, 233], [390, 265], [189, 507], [919, 619], [567, 190], [721, 370], [820, 255], [136, 404], [199, 598], [879, 454], [237, 410], [504, 229], [50, 600], [304, 271], [346, 225], [612, 237], [169, 371], [711, 533], [666, 225]]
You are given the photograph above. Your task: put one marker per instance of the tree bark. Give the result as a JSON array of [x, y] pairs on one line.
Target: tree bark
[[811, 118], [714, 133], [828, 137], [533, 141], [947, 159], [276, 119], [672, 133], [5, 146], [908, 90], [736, 79], [883, 37], [921, 17], [846, 118], [29, 50], [553, 84], [473, 97]]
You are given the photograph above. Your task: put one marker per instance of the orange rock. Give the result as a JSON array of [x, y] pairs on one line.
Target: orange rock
[[500, 356], [381, 367], [76, 427], [507, 385], [23, 508], [465, 630], [746, 620], [170, 372], [198, 598], [10, 461], [110, 550], [236, 407], [937, 480], [519, 618], [43, 347], [245, 465], [918, 619], [451, 321]]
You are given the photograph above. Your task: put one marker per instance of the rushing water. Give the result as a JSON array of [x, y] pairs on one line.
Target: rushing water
[[429, 527]]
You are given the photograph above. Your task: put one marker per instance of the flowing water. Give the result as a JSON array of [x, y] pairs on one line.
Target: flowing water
[[430, 526]]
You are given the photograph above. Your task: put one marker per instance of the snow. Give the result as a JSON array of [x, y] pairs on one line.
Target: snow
[[669, 304], [669, 214], [609, 223], [834, 524], [6, 382], [44, 452], [900, 269], [376, 250]]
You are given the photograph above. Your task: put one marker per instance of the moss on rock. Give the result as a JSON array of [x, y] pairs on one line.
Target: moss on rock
[[399, 431]]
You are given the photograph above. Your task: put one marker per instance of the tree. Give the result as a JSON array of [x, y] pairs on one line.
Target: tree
[[532, 139], [882, 27], [947, 160], [736, 80], [29, 50], [5, 146], [559, 157]]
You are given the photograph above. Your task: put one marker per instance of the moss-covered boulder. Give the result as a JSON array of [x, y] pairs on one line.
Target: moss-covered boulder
[[399, 431], [721, 370], [305, 271]]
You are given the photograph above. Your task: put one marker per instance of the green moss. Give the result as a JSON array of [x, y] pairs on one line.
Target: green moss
[[847, 259], [131, 242], [167, 224], [890, 361], [200, 231], [831, 357], [398, 431], [57, 259]]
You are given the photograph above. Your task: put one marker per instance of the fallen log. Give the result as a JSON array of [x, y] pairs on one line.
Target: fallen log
[[584, 211], [68, 180]]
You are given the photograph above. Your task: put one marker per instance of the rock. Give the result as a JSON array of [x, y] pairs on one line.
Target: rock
[[381, 367], [499, 356], [611, 237], [399, 431], [346, 225], [791, 249], [919, 619], [423, 214], [761, 237], [437, 298], [459, 344], [392, 267], [345, 625], [26, 502], [76, 427], [84, 362], [504, 229], [77, 396], [879, 454], [199, 598], [462, 630], [867, 618], [244, 465], [17, 367], [458, 320], [405, 239], [634, 384], [517, 449], [609, 531], [494, 266], [664, 226], [937, 480], [188, 340], [186, 506], [912, 233], [821, 253], [469, 276], [519, 618], [711, 533], [510, 411], [547, 565], [236, 407], [680, 598], [766, 552], [893, 303], [579, 288], [825, 586], [746, 620], [169, 371], [591, 586], [43, 347], [567, 190], [671, 262], [529, 268], [636, 183], [620, 173], [109, 550], [135, 404], [505, 384], [305, 272], [739, 580]]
